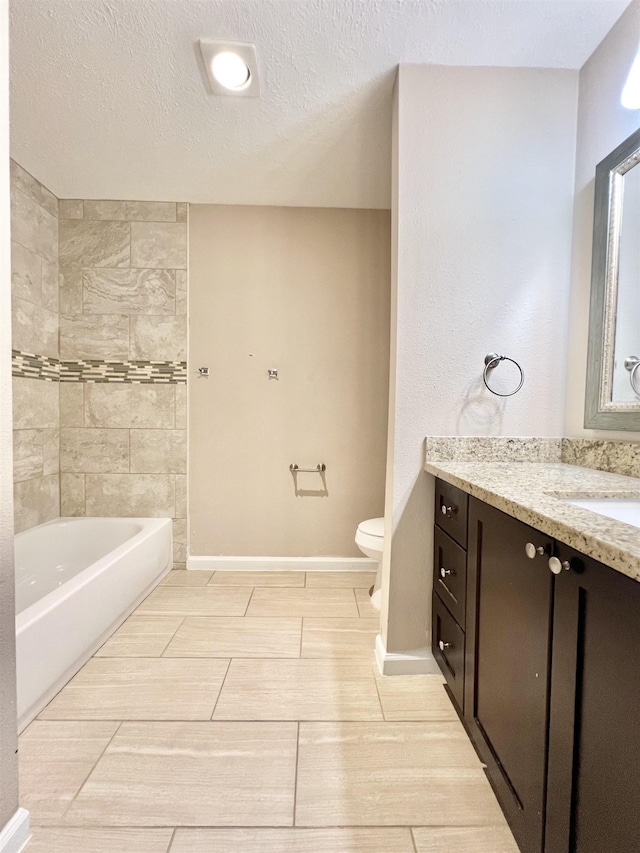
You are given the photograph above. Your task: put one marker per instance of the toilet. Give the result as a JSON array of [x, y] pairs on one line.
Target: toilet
[[370, 540]]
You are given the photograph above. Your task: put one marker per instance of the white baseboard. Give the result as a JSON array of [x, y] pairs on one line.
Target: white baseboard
[[15, 835], [283, 564], [412, 662]]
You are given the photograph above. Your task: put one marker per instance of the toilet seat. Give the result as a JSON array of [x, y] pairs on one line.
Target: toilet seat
[[372, 527], [370, 540]]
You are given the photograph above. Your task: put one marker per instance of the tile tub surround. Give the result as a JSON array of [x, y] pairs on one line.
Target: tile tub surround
[[123, 341], [35, 321], [531, 491], [178, 735]]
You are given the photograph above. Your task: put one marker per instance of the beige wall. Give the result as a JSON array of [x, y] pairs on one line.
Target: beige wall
[[603, 123], [305, 291]]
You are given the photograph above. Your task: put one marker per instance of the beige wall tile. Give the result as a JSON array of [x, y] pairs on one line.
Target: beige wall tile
[[27, 454], [26, 274], [424, 773], [113, 291], [181, 495], [84, 451], [159, 451], [129, 406], [182, 211], [415, 697], [181, 405], [36, 404], [36, 501], [339, 638], [50, 451], [159, 244], [97, 244], [180, 540], [141, 637], [94, 336], [144, 211], [295, 840], [71, 208], [33, 227], [72, 404], [302, 602], [159, 338], [55, 759], [34, 328], [140, 689], [70, 279], [186, 774], [130, 495], [32, 188], [468, 839], [50, 285], [352, 580], [258, 578], [181, 291], [72, 499], [197, 601], [238, 637], [49, 839]]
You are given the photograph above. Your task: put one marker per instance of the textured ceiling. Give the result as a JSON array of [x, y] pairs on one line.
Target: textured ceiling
[[108, 99]]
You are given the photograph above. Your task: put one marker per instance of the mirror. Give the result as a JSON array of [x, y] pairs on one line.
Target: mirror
[[613, 366]]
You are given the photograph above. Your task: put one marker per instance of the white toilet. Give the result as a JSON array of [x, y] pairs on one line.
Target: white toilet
[[370, 540]]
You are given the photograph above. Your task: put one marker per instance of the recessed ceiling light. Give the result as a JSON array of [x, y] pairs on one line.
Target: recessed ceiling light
[[630, 98], [231, 67]]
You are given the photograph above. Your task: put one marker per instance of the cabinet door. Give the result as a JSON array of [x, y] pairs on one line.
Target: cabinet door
[[509, 607], [593, 802]]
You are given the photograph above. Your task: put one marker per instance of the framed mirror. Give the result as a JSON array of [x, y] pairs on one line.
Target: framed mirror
[[613, 362]]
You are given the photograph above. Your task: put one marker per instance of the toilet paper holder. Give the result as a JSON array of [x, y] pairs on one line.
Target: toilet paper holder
[[319, 469]]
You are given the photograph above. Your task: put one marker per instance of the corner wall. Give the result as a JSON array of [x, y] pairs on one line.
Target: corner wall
[[603, 123], [484, 160]]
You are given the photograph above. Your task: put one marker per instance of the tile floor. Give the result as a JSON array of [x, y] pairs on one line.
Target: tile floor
[[243, 712]]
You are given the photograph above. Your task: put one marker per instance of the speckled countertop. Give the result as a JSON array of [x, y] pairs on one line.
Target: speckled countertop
[[531, 491]]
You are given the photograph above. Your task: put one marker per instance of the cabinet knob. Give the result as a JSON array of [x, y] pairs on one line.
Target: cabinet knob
[[557, 566], [442, 645], [444, 572], [449, 511], [532, 551]]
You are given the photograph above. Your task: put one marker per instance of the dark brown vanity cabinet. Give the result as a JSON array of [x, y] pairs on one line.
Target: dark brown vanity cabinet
[[551, 683]]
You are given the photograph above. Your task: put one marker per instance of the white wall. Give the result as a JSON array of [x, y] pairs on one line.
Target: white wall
[[8, 739], [482, 209], [603, 123]]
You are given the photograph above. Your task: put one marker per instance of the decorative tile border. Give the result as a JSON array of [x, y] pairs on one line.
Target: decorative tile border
[[143, 372]]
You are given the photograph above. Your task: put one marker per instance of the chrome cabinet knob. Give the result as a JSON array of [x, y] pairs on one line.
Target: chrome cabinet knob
[[444, 572], [557, 566], [532, 551], [449, 511], [442, 645]]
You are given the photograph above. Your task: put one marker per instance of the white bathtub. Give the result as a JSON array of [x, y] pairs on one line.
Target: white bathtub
[[77, 579]]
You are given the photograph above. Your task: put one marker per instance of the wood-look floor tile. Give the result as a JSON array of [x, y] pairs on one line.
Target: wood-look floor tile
[[258, 578], [298, 690], [141, 637], [192, 774], [61, 840], [187, 577], [471, 839], [414, 697], [140, 689], [348, 580], [295, 840], [302, 602], [55, 759], [197, 601], [364, 604], [236, 636], [391, 774], [339, 638]]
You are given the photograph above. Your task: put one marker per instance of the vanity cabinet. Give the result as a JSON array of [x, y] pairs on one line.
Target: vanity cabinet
[[550, 682]]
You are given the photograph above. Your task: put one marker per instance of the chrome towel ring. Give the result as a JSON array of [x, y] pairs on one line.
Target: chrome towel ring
[[632, 364], [491, 361]]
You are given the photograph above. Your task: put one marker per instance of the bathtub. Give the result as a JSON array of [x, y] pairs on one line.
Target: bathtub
[[77, 579]]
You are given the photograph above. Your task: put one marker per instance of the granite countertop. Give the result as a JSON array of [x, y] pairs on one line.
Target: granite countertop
[[531, 491]]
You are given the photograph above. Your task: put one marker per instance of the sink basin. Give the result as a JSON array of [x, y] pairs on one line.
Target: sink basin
[[620, 509]]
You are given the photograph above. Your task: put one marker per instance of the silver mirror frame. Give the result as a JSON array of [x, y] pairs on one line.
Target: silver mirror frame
[[600, 412]]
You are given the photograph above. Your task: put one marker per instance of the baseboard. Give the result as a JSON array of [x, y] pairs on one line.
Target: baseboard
[[283, 564], [412, 662], [15, 835]]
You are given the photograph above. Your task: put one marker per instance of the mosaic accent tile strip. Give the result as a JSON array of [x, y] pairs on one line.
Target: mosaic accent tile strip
[[141, 372]]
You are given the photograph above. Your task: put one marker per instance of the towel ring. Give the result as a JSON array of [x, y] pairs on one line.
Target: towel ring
[[492, 360]]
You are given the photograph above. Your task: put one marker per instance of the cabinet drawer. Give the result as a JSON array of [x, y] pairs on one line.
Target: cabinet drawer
[[451, 511], [450, 574], [448, 648]]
